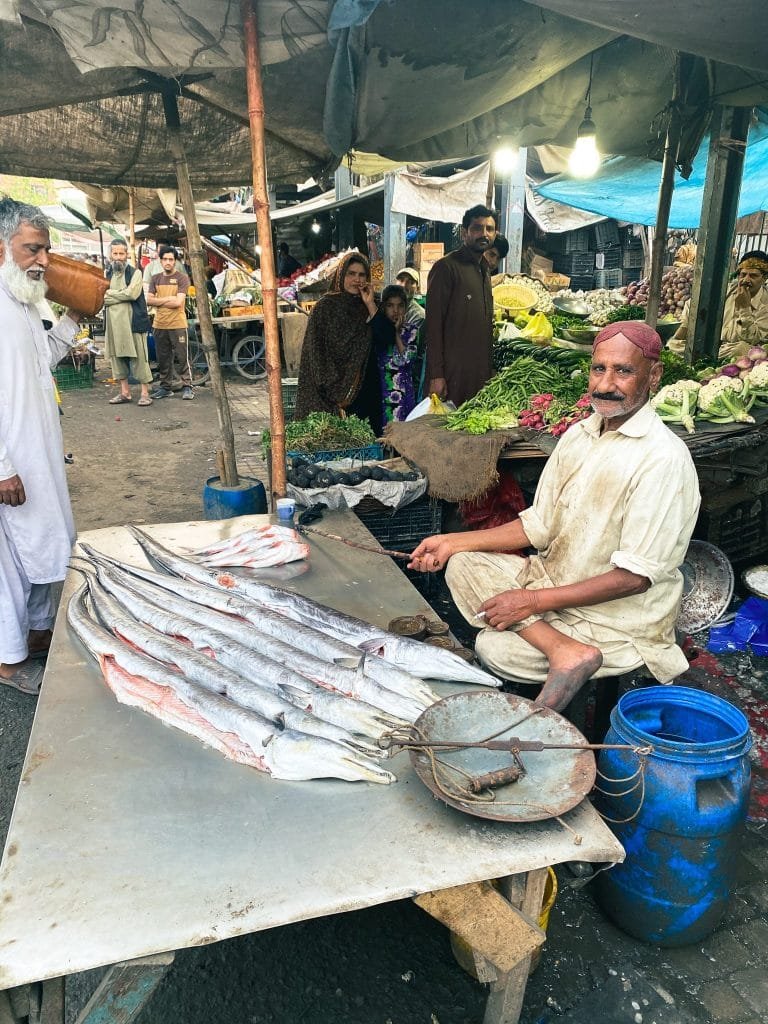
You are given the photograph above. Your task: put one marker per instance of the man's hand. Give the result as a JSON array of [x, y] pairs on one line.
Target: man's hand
[[12, 491], [511, 606], [743, 299], [433, 553], [438, 386]]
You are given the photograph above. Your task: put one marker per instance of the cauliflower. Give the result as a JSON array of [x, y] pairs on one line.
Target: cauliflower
[[726, 400], [676, 403], [757, 381]]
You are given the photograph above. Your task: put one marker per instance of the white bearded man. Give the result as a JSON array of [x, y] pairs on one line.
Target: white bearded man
[[36, 527]]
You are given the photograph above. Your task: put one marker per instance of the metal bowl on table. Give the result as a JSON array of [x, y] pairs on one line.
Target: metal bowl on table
[[667, 328], [571, 307], [581, 335], [707, 587]]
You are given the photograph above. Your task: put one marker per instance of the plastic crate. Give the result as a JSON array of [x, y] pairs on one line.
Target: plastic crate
[[633, 258], [606, 234], [608, 278], [403, 528], [289, 386], [372, 453], [734, 521], [569, 241], [70, 378], [574, 263], [582, 282], [608, 259]]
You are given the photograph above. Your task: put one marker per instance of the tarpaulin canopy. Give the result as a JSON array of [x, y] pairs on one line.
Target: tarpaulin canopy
[[627, 188], [79, 81]]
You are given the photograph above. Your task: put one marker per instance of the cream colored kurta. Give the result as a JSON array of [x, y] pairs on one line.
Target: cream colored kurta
[[120, 342], [741, 328], [627, 499]]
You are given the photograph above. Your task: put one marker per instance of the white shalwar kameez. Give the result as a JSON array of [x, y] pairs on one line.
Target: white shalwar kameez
[[36, 538]]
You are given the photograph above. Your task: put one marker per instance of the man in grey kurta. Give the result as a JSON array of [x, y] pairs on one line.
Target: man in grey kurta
[[127, 323], [460, 313]]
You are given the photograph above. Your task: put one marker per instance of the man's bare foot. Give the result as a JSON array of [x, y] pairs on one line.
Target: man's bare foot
[[569, 669], [6, 671]]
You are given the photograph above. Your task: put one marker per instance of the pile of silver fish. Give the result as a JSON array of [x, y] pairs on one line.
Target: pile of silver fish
[[267, 677], [257, 548]]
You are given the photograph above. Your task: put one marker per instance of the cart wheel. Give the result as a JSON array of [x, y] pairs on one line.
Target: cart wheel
[[249, 358], [197, 361]]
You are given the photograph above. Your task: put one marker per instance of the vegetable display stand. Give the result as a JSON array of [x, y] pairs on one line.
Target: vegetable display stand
[[676, 811], [248, 498]]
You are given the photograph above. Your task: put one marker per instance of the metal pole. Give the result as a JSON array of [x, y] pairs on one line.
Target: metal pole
[[264, 226], [513, 213], [666, 188], [229, 477], [394, 233]]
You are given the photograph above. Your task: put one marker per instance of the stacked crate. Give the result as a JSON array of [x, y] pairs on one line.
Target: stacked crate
[[425, 256]]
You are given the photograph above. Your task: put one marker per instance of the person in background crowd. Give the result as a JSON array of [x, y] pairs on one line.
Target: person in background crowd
[[286, 264], [612, 517], [497, 252], [210, 273], [408, 278], [459, 318], [745, 316], [151, 267], [126, 323], [168, 294], [337, 373], [36, 527], [396, 345]]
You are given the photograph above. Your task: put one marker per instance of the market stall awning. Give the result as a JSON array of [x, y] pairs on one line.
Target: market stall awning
[[79, 82], [627, 188]]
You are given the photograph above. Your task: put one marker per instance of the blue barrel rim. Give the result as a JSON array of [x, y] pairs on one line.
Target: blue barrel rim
[[246, 484], [737, 746]]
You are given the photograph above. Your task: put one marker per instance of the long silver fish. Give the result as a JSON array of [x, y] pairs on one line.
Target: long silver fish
[[298, 634], [240, 734], [417, 659], [238, 647], [275, 662]]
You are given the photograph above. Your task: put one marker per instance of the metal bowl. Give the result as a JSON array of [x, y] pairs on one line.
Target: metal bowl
[[573, 307], [666, 328], [755, 579], [707, 586], [583, 335]]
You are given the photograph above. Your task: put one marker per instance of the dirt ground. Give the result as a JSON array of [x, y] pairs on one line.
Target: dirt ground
[[390, 964]]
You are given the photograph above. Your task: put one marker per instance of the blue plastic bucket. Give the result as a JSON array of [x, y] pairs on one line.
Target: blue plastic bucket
[[248, 498], [678, 819]]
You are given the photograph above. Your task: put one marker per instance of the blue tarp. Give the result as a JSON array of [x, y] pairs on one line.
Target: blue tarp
[[627, 188]]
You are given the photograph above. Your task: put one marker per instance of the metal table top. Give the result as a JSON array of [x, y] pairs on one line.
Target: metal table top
[[129, 838]]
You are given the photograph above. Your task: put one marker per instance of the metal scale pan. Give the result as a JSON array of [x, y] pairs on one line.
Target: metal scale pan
[[555, 780]]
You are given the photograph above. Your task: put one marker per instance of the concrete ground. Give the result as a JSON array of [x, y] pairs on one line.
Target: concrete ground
[[390, 964]]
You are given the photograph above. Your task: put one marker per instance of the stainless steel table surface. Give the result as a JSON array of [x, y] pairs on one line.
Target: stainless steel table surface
[[129, 838]]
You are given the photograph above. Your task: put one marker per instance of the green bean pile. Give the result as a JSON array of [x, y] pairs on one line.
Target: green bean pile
[[502, 398]]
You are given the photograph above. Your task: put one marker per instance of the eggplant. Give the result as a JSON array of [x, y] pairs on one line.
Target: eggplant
[[395, 475], [323, 479], [354, 478], [302, 481], [412, 475], [311, 470], [377, 473], [365, 472], [342, 478]]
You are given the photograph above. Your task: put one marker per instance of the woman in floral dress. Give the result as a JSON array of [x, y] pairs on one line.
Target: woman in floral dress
[[396, 346]]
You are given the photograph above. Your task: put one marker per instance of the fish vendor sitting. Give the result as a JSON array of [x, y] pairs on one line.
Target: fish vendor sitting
[[611, 520]]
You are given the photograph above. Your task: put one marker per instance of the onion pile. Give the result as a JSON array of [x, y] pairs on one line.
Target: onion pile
[[675, 291]]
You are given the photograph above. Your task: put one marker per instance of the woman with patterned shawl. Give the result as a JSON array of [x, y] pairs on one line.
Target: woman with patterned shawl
[[337, 373], [396, 345]]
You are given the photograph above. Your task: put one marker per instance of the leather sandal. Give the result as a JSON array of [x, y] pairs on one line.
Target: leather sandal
[[120, 400], [26, 678], [144, 401]]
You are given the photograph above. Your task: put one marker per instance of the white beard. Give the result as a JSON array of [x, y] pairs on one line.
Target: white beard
[[21, 286]]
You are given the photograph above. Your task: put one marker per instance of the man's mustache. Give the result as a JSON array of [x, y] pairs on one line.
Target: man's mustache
[[607, 396]]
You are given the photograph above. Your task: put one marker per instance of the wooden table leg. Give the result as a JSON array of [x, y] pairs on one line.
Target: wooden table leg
[[501, 928], [124, 990], [505, 1000]]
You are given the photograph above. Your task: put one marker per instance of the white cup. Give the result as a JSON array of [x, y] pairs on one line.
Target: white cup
[[285, 508]]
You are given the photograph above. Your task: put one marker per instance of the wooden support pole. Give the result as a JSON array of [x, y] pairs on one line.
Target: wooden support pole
[[264, 227], [725, 164], [666, 188], [176, 145], [132, 227]]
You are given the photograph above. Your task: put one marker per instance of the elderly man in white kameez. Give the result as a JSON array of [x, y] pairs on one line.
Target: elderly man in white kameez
[[613, 514], [36, 527]]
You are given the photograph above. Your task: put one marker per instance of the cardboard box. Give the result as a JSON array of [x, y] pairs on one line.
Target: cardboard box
[[243, 311], [423, 275], [427, 253]]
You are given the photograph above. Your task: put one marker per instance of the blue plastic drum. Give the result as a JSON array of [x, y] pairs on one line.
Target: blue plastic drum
[[248, 498], [678, 819]]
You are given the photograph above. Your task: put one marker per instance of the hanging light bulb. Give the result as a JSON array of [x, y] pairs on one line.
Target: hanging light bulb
[[315, 226], [505, 158], [585, 157]]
